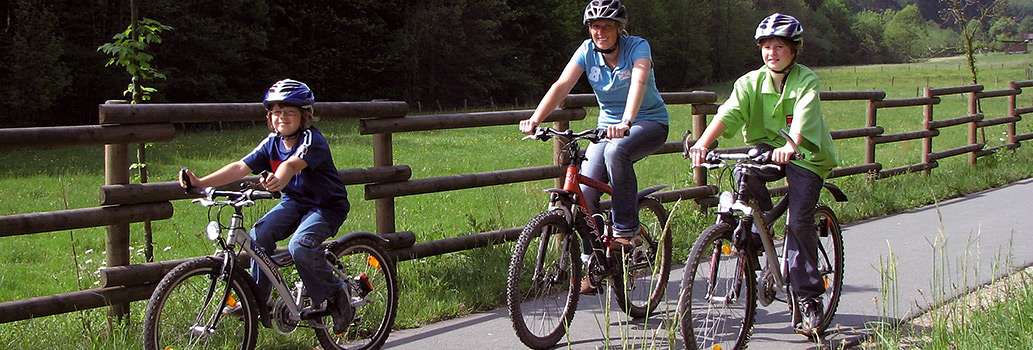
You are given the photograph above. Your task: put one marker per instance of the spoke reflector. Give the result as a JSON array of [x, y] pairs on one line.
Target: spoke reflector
[[373, 262]]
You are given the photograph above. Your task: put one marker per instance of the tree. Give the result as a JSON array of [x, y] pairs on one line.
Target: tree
[[905, 31], [869, 30], [969, 16], [35, 75]]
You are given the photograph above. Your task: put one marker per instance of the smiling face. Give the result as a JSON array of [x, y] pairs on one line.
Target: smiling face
[[777, 53], [285, 119], [604, 33]]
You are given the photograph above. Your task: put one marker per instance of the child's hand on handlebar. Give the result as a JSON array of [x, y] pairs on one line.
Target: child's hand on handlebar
[[783, 155], [187, 179], [698, 155]]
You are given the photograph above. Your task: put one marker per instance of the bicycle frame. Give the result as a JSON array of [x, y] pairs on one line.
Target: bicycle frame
[[730, 203], [237, 236]]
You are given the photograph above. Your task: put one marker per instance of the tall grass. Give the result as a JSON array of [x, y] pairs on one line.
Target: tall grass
[[441, 287]]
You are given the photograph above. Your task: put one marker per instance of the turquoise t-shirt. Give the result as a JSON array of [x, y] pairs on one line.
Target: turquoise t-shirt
[[612, 86], [759, 111]]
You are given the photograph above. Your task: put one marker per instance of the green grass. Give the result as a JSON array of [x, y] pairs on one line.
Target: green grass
[[441, 287]]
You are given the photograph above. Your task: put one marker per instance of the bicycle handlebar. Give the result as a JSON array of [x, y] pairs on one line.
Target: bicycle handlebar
[[211, 193], [545, 133]]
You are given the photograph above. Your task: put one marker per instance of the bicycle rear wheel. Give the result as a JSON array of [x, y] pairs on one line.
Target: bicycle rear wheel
[[717, 301], [830, 261], [375, 317], [646, 270], [543, 274], [185, 310]]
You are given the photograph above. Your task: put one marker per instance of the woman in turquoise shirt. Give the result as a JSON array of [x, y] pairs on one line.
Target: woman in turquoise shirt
[[619, 68], [783, 94]]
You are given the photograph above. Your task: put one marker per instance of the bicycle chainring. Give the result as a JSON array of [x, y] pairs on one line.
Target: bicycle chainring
[[281, 318], [766, 288]]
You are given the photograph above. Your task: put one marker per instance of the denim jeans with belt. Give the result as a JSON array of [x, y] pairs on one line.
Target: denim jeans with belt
[[310, 226], [612, 161]]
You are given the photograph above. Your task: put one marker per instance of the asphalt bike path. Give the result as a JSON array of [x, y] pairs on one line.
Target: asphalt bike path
[[894, 266]]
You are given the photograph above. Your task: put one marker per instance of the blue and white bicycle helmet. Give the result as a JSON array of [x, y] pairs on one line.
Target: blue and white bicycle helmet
[[606, 9], [290, 92], [779, 25]]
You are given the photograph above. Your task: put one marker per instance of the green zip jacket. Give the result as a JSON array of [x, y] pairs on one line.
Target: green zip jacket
[[759, 111]]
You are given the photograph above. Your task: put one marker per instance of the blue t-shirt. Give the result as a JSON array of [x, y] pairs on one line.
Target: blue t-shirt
[[612, 86], [316, 185]]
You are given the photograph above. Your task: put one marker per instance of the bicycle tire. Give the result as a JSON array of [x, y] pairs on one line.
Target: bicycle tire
[[642, 285], [830, 261], [708, 322], [188, 297], [373, 320], [547, 299]]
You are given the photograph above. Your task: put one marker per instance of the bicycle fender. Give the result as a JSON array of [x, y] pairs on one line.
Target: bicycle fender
[[649, 191], [361, 234], [263, 308], [836, 192]]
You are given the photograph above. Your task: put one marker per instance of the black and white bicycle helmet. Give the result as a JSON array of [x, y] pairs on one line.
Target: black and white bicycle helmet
[[290, 92], [779, 25], [606, 9]]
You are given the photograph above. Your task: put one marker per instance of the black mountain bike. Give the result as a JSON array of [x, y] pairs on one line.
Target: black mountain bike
[[186, 309], [720, 289], [546, 269]]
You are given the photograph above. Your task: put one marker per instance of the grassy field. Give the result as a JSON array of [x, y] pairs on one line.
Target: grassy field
[[447, 286]]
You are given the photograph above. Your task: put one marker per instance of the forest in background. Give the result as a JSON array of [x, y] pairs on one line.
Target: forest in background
[[433, 54]]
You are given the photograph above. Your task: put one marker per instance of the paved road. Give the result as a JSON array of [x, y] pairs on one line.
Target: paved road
[[967, 241]]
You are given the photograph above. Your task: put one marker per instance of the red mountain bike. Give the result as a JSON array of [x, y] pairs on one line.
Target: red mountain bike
[[546, 270]]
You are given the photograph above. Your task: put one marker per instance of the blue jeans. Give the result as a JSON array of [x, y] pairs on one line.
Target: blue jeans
[[612, 161], [310, 226]]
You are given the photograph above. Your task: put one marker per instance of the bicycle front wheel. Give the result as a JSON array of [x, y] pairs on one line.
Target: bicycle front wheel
[[643, 282], [375, 313], [185, 310], [830, 261], [717, 301], [543, 273]]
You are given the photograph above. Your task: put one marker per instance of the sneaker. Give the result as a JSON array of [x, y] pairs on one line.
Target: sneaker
[[810, 316], [626, 244], [341, 310], [587, 288], [233, 311]]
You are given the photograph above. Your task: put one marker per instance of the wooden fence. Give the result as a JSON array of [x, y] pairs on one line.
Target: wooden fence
[[121, 203]]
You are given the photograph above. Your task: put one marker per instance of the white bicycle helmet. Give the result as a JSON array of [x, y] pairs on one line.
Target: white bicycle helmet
[[779, 25], [606, 9]]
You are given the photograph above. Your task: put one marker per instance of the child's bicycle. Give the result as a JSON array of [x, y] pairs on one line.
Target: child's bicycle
[[546, 268], [186, 309], [720, 290]]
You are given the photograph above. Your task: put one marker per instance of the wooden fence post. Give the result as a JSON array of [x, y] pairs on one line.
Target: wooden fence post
[[385, 207], [558, 156], [973, 127], [116, 242], [699, 123], [871, 119], [927, 142], [1012, 99]]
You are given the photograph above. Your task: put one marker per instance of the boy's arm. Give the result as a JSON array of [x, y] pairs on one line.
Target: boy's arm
[[228, 173], [278, 180]]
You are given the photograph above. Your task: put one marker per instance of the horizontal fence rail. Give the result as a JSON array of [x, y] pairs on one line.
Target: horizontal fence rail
[[122, 203]]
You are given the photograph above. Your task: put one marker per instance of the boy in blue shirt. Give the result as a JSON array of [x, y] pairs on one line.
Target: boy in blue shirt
[[314, 203]]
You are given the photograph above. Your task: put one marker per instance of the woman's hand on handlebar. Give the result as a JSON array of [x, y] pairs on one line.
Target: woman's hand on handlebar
[[616, 131], [527, 126]]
